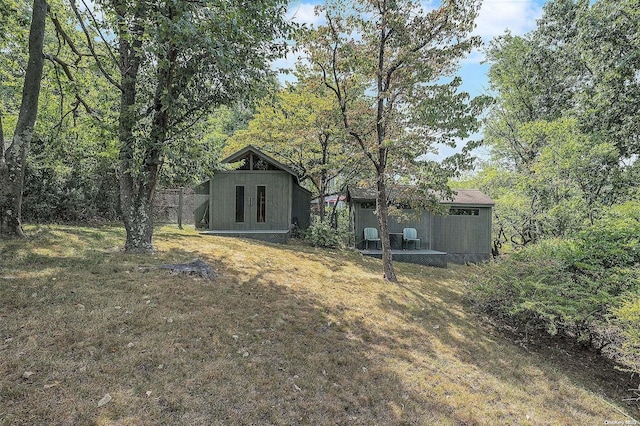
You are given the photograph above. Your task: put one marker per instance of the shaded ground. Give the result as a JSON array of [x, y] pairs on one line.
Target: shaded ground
[[283, 335]]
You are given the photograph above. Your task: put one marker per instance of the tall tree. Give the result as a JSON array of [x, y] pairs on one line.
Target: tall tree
[[175, 62], [13, 156], [562, 126], [384, 61]]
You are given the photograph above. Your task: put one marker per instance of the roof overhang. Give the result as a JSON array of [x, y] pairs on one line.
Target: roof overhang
[[461, 197]]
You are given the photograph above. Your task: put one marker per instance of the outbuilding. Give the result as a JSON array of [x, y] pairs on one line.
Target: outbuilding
[[261, 198], [462, 234]]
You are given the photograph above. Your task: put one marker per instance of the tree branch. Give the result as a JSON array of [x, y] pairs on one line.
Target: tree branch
[[341, 101], [96, 57], [65, 67], [2, 161], [60, 31], [102, 37], [67, 71]]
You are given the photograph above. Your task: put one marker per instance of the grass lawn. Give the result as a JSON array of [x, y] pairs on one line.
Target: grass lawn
[[286, 334]]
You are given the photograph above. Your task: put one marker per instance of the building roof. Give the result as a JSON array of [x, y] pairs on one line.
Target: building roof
[[466, 197], [238, 156]]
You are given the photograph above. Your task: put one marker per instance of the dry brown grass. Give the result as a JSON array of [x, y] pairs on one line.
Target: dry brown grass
[[284, 335]]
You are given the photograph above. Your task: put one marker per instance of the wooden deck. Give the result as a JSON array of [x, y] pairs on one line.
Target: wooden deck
[[420, 257]]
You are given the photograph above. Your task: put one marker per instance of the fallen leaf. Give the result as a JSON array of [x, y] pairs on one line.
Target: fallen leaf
[[51, 385], [27, 374]]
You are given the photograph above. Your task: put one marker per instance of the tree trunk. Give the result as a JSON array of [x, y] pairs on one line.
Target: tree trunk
[[137, 215], [322, 211], [136, 183], [334, 213], [13, 159], [382, 212]]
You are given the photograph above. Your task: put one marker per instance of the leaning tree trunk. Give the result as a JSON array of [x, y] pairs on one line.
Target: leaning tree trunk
[[13, 158]]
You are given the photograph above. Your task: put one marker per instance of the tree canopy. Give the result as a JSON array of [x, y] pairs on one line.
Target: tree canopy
[[563, 125], [172, 63], [390, 66]]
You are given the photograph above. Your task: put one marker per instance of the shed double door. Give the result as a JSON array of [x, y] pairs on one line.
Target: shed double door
[[251, 208], [249, 201]]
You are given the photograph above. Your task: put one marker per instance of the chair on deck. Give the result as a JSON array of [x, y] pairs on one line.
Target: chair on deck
[[371, 234], [410, 235]]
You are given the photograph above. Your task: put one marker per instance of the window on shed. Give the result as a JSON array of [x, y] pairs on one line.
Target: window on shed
[[239, 203], [464, 212], [246, 162], [262, 164], [368, 206], [261, 196]]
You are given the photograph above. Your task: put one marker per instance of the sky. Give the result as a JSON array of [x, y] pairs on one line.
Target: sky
[[495, 17]]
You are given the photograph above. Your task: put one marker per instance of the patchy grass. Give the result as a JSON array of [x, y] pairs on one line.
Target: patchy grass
[[284, 335]]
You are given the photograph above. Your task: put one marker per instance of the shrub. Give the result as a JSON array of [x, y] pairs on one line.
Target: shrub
[[531, 287], [585, 288], [320, 234], [627, 318]]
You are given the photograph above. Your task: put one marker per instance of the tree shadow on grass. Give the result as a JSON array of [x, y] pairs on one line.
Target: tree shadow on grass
[[246, 348], [171, 349]]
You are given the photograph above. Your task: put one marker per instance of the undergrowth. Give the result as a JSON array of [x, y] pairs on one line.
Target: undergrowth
[[586, 288]]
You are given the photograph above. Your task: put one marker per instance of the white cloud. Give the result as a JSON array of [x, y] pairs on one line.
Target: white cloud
[[496, 16], [475, 57], [288, 62], [518, 16], [304, 13]]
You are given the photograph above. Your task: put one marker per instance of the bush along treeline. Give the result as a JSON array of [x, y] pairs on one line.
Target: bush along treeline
[[585, 288]]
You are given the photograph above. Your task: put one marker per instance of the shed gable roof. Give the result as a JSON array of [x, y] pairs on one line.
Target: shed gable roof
[[238, 156], [466, 197]]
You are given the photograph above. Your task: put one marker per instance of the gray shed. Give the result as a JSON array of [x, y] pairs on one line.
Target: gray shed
[[261, 199], [463, 235]]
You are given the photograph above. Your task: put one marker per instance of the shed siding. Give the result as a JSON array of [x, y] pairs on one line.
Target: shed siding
[[457, 235], [223, 196], [300, 209], [366, 218], [463, 234]]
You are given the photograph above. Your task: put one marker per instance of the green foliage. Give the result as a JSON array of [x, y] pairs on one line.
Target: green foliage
[[301, 127], [390, 69], [562, 127], [192, 161], [613, 241], [585, 288], [321, 234], [627, 318]]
